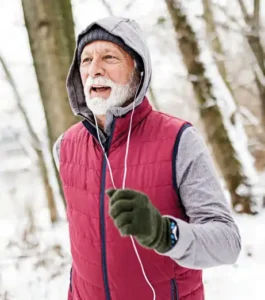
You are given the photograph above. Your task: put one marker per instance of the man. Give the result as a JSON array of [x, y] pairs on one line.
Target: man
[[145, 209]]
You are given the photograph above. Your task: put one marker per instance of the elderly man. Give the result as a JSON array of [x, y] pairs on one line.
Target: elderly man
[[145, 209]]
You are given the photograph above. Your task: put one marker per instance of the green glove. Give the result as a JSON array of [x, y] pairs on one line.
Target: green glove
[[134, 214]]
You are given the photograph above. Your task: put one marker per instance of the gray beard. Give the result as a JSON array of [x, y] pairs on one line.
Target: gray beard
[[120, 94]]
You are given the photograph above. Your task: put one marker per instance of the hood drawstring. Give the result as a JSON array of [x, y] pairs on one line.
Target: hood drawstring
[[124, 176]]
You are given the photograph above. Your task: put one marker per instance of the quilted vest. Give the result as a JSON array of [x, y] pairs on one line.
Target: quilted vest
[[105, 266]]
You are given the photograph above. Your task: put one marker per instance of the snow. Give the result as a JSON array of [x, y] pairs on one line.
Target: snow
[[35, 257], [245, 279], [37, 268]]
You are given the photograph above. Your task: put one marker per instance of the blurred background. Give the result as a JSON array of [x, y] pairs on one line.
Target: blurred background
[[208, 62]]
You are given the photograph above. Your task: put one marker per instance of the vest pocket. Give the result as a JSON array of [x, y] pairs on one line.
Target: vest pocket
[[174, 289]]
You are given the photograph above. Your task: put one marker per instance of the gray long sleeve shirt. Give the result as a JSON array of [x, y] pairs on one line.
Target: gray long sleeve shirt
[[211, 237]]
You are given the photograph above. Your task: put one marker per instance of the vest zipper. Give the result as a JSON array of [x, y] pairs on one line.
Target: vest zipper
[[102, 215], [174, 290]]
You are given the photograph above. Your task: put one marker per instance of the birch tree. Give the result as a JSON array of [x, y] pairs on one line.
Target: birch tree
[[52, 41], [217, 108]]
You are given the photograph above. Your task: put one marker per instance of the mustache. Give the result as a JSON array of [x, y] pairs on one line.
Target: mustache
[[99, 81]]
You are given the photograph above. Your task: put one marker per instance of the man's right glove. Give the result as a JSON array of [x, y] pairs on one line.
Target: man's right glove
[[134, 214]]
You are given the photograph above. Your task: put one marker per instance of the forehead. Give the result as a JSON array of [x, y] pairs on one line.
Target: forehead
[[102, 47]]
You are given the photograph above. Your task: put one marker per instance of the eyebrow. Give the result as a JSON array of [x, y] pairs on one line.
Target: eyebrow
[[104, 51]]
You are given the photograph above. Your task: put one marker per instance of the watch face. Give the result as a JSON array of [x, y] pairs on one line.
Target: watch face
[[173, 235], [174, 231]]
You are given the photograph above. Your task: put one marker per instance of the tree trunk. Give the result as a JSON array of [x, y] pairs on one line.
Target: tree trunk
[[47, 186], [254, 41], [52, 41], [219, 128], [36, 145], [215, 42]]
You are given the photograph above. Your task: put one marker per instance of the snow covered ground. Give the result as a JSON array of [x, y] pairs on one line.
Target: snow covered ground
[[245, 279]]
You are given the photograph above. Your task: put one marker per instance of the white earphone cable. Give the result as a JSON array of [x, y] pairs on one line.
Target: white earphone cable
[[124, 178]]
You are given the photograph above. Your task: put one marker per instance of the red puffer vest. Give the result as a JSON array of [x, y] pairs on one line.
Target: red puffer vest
[[105, 266]]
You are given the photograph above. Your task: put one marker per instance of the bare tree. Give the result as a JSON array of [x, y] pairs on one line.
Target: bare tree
[[35, 144], [253, 130], [52, 41], [254, 41], [215, 41], [225, 152]]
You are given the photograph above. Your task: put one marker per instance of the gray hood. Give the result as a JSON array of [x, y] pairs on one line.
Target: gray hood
[[130, 32]]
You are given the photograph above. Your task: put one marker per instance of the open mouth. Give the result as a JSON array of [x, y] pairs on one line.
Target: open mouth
[[99, 88]]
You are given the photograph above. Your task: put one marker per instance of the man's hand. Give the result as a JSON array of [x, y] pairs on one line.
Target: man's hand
[[134, 214]]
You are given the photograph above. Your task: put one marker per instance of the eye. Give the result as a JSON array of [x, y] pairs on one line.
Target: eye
[[110, 57], [86, 59]]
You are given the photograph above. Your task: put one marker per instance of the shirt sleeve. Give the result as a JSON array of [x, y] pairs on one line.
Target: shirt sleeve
[[56, 151], [211, 238]]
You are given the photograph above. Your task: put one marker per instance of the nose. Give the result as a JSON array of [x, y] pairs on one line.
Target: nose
[[96, 69]]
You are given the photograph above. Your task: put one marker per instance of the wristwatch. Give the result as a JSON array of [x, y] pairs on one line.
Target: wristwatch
[[173, 232]]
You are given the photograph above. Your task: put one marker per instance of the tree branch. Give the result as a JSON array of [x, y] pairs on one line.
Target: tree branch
[[246, 16], [230, 18], [246, 89], [128, 6], [108, 7], [226, 26], [34, 137], [256, 16]]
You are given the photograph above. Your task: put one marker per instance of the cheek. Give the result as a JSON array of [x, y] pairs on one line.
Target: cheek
[[83, 76], [119, 74]]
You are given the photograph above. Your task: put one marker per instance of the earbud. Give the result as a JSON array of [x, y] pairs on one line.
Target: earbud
[[142, 74]]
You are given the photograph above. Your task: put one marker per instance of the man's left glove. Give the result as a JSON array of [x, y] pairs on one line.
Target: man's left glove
[[134, 214]]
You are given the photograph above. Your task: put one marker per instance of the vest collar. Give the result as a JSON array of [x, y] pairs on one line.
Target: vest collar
[[120, 130], [122, 124]]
